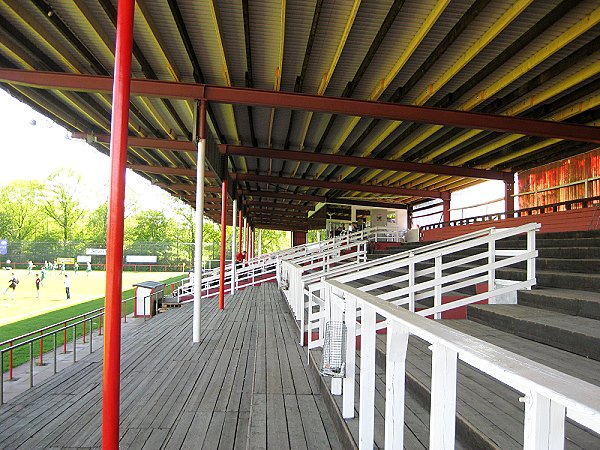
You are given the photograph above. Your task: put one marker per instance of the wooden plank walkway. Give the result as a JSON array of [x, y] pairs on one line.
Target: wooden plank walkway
[[244, 386]]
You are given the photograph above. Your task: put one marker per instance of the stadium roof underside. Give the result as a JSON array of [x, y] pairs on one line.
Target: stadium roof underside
[[382, 101]]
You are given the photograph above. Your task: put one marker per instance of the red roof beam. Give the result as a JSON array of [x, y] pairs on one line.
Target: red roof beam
[[356, 161], [338, 185], [133, 141], [306, 102]]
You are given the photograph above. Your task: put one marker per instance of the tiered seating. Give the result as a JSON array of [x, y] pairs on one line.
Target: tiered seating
[[556, 324]]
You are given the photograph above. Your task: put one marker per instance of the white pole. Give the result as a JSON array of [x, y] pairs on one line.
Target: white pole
[[233, 249], [245, 235], [198, 244]]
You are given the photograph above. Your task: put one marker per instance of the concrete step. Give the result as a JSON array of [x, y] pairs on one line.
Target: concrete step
[[579, 335], [574, 303], [555, 279], [570, 252], [547, 264], [590, 266]]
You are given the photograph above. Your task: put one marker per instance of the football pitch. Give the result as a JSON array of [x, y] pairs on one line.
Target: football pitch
[[84, 287]]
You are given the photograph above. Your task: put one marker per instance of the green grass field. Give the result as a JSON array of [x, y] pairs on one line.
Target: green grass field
[[28, 313], [52, 294]]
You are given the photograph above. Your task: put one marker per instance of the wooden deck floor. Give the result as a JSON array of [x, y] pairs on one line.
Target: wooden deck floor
[[245, 385]]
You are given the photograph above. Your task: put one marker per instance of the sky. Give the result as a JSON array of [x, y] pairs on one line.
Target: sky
[[33, 146]]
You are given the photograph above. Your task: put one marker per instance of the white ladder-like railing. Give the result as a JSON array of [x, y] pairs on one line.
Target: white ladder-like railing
[[295, 272], [549, 395], [425, 274], [266, 267]]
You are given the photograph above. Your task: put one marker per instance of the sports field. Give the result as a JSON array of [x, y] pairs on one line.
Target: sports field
[[84, 287]]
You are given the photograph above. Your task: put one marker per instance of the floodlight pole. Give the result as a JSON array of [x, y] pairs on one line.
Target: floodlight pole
[[223, 243], [200, 162], [114, 239]]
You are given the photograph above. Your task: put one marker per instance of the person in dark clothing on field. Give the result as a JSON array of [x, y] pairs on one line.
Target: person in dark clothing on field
[[12, 284], [68, 286], [38, 282]]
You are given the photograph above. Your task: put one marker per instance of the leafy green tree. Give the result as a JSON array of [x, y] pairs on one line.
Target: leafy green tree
[[97, 221], [60, 202], [273, 240], [20, 216], [151, 226]]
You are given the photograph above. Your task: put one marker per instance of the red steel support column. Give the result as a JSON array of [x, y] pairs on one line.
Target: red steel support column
[[509, 200], [114, 239], [446, 206], [223, 243]]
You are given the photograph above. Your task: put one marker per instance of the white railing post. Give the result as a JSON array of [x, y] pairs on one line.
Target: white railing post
[[336, 316], [366, 412], [437, 290], [531, 261], [544, 423], [302, 306], [349, 380], [491, 261], [325, 310], [443, 397], [395, 367], [411, 285]]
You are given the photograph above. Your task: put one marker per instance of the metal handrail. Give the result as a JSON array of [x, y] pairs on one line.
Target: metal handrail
[[43, 333], [586, 203], [31, 341]]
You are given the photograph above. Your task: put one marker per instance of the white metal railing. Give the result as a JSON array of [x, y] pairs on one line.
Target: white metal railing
[[423, 276], [267, 267], [548, 394], [383, 234], [294, 273]]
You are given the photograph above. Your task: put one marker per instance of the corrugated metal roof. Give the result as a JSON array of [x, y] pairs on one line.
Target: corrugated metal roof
[[280, 43]]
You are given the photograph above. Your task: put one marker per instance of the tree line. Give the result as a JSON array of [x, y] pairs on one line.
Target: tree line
[[46, 219]]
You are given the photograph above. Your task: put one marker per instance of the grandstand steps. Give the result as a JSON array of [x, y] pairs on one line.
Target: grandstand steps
[[575, 303], [557, 323], [579, 335], [489, 414]]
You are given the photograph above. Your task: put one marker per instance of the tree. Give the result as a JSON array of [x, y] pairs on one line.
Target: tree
[[20, 216], [61, 201], [273, 240], [97, 222], [151, 226]]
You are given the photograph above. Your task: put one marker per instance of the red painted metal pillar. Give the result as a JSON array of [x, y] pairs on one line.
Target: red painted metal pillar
[[223, 243], [509, 200], [446, 206], [114, 239]]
